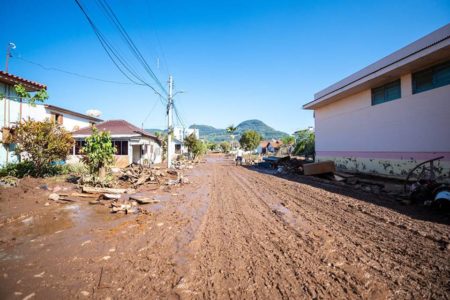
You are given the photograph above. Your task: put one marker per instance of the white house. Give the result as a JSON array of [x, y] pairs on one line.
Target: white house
[[16, 110], [133, 145], [179, 134], [390, 115]]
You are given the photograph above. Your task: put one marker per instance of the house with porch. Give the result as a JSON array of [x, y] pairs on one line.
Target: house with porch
[[133, 145], [392, 114], [16, 110]]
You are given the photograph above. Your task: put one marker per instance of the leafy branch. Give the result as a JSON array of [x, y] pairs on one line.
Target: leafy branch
[[39, 96]]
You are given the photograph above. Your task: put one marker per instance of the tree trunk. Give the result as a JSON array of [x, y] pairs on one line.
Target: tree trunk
[[102, 174]]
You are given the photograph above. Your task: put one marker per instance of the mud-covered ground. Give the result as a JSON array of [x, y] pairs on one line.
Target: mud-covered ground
[[232, 233]]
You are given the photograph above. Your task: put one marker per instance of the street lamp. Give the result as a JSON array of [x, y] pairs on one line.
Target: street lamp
[[11, 46]]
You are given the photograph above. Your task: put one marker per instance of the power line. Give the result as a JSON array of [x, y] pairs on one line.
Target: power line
[[131, 45], [158, 41], [68, 72], [113, 54], [177, 115]]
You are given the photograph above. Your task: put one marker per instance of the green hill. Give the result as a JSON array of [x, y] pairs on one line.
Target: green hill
[[213, 134]]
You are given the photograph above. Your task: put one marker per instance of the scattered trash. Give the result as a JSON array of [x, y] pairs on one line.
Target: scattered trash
[[85, 293], [53, 197], [57, 189], [138, 175], [29, 296], [9, 181], [85, 243], [40, 275]]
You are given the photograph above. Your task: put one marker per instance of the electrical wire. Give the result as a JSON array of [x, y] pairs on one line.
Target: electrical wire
[[68, 72], [150, 112], [177, 115], [158, 41], [120, 63], [131, 45]]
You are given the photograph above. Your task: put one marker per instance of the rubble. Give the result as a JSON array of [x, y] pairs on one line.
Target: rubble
[[9, 181], [140, 199], [97, 190], [138, 175], [53, 197]]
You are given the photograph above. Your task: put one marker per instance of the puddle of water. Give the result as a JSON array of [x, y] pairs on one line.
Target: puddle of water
[[44, 224]]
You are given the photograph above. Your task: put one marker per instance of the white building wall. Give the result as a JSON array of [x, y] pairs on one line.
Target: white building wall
[[387, 138], [15, 111]]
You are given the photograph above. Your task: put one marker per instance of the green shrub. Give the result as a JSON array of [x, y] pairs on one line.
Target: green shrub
[[28, 168]]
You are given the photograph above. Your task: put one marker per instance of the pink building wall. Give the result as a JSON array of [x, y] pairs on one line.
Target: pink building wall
[[388, 138]]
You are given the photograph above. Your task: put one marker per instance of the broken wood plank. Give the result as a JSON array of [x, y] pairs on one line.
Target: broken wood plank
[[318, 168], [111, 196], [97, 190], [81, 195], [345, 175], [67, 199], [143, 199]]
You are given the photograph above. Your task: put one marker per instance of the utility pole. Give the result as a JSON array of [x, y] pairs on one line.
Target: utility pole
[[8, 54], [169, 123]]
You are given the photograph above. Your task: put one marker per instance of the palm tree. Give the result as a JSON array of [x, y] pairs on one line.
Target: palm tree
[[231, 130]]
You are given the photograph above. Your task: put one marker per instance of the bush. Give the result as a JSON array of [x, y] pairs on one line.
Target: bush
[[306, 143], [195, 146], [226, 147], [98, 152], [28, 168], [43, 143]]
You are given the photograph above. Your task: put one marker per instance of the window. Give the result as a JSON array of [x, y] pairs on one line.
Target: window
[[121, 147], [431, 78], [124, 147], [118, 146], [57, 118], [387, 92]]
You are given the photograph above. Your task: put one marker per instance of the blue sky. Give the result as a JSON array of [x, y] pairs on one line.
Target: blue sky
[[235, 60]]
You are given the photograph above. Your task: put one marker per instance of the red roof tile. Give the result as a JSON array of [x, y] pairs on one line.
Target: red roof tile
[[29, 85], [115, 127]]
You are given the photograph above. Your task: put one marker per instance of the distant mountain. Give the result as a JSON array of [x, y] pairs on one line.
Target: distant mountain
[[213, 134], [155, 131]]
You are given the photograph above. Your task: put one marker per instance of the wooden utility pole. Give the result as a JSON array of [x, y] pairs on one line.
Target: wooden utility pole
[[169, 123]]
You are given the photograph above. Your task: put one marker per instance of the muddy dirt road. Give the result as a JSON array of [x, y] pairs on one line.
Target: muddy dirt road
[[232, 233]]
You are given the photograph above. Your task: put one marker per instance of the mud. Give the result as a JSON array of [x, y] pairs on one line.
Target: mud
[[232, 233]]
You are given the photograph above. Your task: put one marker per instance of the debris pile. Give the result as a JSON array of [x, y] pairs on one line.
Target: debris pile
[[8, 181], [291, 165], [183, 164], [119, 200], [125, 199], [138, 175]]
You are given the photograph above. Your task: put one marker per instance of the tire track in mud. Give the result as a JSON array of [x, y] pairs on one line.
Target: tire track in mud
[[342, 284], [276, 261], [346, 228]]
